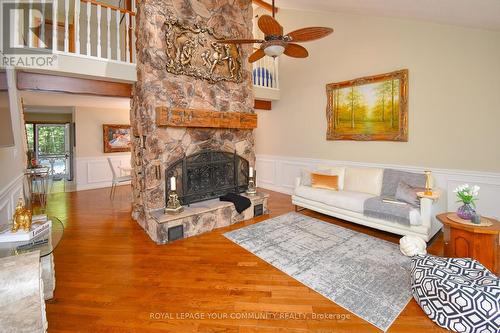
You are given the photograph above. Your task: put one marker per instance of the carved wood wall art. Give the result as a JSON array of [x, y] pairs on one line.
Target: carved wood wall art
[[372, 108], [178, 117], [195, 51]]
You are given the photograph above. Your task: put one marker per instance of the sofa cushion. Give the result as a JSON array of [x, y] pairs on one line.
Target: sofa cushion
[[305, 175], [408, 194], [404, 214], [352, 201], [328, 182], [393, 177], [335, 170], [366, 180]]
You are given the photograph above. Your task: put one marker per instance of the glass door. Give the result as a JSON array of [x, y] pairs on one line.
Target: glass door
[[52, 149]]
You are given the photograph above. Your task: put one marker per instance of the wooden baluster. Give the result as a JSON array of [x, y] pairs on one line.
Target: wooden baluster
[[99, 31], [118, 51], [276, 67], [89, 15], [108, 20], [66, 26], [42, 29], [127, 42], [268, 71], [30, 23], [54, 25], [76, 21]]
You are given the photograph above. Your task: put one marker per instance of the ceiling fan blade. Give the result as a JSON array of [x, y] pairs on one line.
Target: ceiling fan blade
[[307, 34], [269, 26], [296, 51], [240, 41], [256, 55]]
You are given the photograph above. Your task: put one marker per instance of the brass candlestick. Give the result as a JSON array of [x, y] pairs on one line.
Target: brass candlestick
[[173, 204], [252, 189], [428, 183]]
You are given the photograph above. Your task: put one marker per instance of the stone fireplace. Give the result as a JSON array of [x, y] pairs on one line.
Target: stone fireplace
[[178, 115]]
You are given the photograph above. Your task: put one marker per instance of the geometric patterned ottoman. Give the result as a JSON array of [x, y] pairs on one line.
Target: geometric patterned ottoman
[[456, 293]]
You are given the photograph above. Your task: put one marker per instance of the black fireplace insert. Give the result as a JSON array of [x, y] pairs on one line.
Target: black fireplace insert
[[207, 175]]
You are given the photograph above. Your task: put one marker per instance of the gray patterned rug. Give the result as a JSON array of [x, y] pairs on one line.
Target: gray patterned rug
[[365, 275]]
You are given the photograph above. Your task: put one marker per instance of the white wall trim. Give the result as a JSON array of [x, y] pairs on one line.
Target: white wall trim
[[8, 198], [277, 173], [94, 172]]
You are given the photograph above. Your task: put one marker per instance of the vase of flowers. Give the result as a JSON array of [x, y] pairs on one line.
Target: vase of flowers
[[467, 195]]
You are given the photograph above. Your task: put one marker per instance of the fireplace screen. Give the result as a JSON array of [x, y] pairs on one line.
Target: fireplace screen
[[208, 175]]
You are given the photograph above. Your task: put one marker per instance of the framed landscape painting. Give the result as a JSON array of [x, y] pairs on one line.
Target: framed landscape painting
[[116, 138], [373, 108]]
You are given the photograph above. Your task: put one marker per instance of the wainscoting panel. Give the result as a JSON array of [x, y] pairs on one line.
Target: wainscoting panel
[[8, 199], [278, 173], [94, 172]]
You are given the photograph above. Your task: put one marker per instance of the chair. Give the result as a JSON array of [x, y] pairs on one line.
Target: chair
[[116, 179]]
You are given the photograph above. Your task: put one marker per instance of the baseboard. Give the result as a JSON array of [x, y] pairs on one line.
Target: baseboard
[[278, 173]]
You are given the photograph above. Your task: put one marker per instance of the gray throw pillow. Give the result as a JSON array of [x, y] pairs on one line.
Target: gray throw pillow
[[408, 194], [305, 175]]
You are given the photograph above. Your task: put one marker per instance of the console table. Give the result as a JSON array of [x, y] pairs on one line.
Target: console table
[[45, 243], [469, 241]]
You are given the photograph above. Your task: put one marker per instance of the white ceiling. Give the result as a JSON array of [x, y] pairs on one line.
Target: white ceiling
[[484, 14], [34, 99]]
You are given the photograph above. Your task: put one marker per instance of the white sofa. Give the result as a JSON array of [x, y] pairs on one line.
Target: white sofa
[[356, 185]]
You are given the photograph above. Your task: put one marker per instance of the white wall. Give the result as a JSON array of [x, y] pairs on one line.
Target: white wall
[[454, 86], [12, 158], [453, 102], [92, 169]]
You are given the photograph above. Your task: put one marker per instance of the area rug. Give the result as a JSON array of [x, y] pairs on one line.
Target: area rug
[[363, 274]]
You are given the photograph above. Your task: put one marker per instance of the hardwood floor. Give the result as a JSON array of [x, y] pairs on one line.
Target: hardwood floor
[[112, 278]]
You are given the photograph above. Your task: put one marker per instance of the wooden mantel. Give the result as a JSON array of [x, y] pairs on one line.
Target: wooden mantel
[[178, 117]]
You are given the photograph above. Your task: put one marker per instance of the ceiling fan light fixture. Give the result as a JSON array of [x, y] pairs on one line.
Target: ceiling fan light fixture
[[274, 50]]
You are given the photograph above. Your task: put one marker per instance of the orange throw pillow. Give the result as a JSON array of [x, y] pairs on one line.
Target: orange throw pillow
[[328, 182]]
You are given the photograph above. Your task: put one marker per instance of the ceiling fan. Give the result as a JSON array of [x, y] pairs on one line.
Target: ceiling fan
[[276, 43]]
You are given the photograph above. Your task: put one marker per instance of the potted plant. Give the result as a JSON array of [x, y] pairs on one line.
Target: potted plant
[[467, 195]]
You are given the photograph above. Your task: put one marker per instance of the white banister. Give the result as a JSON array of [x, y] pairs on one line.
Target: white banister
[[108, 37], [118, 51], [30, 23], [66, 26], [276, 68], [41, 38], [77, 26], [127, 34], [89, 15], [81, 29], [54, 25], [98, 31]]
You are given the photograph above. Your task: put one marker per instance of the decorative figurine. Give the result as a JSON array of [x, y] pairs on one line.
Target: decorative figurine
[[251, 182], [21, 218], [173, 205]]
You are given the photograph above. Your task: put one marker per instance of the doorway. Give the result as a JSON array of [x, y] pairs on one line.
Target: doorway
[[50, 145]]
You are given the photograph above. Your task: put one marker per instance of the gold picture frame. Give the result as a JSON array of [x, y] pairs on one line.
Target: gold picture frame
[[372, 108], [116, 138]]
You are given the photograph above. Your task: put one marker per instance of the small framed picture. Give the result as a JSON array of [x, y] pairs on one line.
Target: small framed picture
[[116, 138]]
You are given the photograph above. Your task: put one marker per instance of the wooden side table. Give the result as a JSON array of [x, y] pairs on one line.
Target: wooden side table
[[467, 241]]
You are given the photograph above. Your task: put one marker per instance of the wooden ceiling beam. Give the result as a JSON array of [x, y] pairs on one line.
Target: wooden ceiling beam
[[267, 6], [262, 105], [72, 85]]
